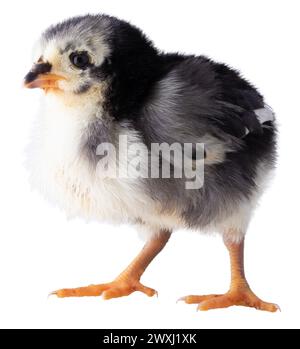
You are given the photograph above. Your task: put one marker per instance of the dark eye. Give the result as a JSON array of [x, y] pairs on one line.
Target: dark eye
[[80, 60]]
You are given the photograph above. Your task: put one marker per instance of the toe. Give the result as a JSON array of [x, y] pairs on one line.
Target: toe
[[249, 299], [88, 291], [110, 290], [246, 299], [150, 292], [116, 292], [192, 299], [216, 302], [271, 307]]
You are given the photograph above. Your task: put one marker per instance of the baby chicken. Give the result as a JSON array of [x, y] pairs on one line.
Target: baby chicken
[[106, 83]]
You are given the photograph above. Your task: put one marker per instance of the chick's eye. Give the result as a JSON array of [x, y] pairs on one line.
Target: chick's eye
[[80, 60]]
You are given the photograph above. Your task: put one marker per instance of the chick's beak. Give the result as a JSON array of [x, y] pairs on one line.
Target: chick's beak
[[45, 81], [40, 77]]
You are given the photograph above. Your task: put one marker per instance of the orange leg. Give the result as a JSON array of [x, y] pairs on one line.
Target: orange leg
[[129, 280], [239, 292]]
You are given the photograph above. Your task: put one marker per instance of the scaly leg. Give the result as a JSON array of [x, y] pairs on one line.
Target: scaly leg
[[129, 280], [239, 292]]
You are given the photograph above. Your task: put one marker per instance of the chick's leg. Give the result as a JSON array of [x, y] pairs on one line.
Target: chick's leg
[[129, 280], [239, 292]]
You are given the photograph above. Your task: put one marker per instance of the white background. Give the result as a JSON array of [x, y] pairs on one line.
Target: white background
[[41, 251]]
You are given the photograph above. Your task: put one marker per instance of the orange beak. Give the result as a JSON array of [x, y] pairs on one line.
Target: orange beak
[[45, 81]]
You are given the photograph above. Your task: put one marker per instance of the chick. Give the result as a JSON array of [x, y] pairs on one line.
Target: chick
[[106, 82]]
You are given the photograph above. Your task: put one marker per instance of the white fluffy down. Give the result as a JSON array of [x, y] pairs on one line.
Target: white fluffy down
[[66, 177]]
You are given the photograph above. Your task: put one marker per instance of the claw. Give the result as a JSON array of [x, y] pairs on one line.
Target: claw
[[53, 293], [181, 299]]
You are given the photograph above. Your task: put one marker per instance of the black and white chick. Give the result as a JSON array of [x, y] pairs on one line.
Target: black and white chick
[[105, 80]]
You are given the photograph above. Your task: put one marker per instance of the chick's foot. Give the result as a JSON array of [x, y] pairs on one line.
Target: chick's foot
[[243, 297], [129, 280], [117, 288]]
